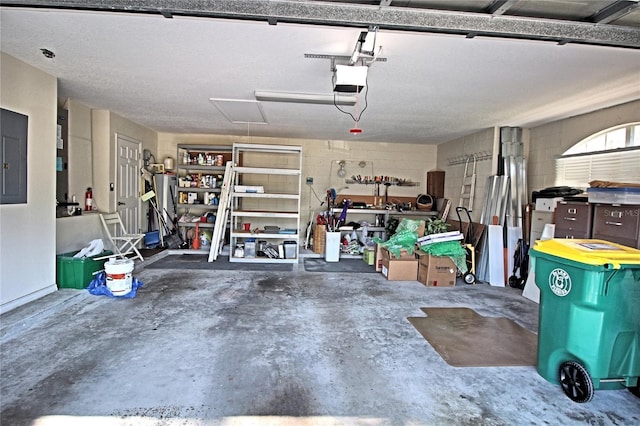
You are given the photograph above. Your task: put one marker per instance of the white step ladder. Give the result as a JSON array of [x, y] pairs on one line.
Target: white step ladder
[[468, 184], [222, 214]]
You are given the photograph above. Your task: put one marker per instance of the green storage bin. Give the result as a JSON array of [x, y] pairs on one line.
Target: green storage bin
[[589, 322], [78, 273]]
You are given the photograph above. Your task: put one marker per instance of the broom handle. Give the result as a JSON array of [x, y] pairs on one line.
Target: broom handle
[[158, 215]]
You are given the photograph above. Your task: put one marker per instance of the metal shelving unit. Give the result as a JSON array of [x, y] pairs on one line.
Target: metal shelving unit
[[204, 164], [277, 169]]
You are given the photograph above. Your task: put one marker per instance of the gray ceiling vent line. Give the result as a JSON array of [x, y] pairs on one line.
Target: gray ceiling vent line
[[359, 15]]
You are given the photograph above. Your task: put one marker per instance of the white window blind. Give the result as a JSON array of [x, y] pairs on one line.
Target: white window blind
[[616, 166]]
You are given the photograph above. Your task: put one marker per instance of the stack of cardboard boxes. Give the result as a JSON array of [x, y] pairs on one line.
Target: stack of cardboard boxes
[[432, 271]]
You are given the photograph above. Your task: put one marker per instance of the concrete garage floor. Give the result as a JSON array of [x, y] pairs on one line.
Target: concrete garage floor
[[294, 348]]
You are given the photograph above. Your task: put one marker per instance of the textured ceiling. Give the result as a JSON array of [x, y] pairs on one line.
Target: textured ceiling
[[441, 80]]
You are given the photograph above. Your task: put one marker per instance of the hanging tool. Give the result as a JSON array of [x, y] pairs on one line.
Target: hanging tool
[[175, 208], [468, 183], [158, 214], [343, 215]]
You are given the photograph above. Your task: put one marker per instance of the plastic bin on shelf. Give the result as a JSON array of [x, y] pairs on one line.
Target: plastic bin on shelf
[[589, 323], [614, 195], [78, 272]]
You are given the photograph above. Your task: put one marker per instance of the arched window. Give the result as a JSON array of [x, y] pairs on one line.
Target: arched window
[[611, 155]]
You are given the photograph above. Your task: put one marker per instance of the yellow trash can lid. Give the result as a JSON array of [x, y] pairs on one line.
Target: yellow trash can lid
[[591, 252]]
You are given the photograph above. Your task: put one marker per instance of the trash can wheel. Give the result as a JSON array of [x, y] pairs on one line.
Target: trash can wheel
[[576, 382], [635, 390], [469, 278]]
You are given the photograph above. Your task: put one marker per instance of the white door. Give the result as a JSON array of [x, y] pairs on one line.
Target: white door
[[128, 163]]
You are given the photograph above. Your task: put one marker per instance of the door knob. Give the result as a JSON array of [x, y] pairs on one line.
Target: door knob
[[120, 203]]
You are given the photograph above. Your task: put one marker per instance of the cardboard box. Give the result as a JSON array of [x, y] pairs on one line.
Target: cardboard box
[[403, 269], [436, 271], [378, 257]]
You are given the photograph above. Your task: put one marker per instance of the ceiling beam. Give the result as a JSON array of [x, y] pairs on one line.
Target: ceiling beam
[[360, 15], [614, 11]]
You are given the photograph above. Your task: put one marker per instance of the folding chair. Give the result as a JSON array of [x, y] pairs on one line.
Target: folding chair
[[122, 242]]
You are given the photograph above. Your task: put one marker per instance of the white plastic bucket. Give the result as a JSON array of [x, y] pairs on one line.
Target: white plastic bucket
[[119, 276]]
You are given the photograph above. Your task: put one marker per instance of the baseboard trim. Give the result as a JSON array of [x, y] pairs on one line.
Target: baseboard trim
[[13, 304]]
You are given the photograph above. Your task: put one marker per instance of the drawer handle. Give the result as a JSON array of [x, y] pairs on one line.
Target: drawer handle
[[569, 218], [613, 223]]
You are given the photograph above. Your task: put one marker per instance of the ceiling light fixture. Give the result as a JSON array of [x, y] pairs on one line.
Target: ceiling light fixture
[[305, 98]]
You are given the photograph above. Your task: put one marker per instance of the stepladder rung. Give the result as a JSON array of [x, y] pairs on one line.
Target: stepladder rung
[[467, 188]]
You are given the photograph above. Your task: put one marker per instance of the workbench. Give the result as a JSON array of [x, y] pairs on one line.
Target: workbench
[[381, 217]]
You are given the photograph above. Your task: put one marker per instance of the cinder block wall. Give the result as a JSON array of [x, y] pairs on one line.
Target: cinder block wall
[[543, 144], [320, 162], [550, 141], [451, 152]]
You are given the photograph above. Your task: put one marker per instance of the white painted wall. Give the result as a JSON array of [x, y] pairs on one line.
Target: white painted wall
[[75, 232], [27, 245], [80, 148]]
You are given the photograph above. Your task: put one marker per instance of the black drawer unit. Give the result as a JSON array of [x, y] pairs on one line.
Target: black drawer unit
[[573, 219], [617, 223]]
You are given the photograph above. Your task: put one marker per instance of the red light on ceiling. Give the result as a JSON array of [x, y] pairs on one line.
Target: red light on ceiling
[[355, 131]]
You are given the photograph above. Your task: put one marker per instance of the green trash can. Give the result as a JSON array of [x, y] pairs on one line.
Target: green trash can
[[589, 322]]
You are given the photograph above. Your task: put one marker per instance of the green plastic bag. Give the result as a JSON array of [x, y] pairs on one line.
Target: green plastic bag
[[451, 249], [400, 240]]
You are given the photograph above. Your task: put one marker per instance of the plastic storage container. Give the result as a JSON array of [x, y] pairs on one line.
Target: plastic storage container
[[614, 195], [589, 324], [290, 249], [78, 272], [250, 247]]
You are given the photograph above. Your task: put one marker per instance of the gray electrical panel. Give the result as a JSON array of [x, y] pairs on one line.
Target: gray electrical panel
[[13, 179]]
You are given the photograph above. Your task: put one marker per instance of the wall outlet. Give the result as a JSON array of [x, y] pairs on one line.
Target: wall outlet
[[309, 181]]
